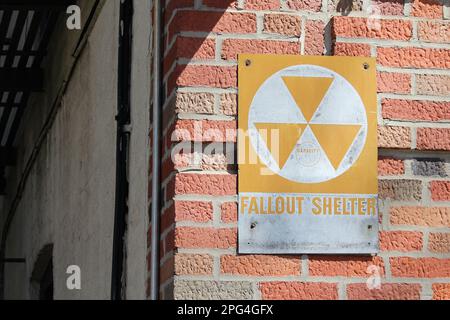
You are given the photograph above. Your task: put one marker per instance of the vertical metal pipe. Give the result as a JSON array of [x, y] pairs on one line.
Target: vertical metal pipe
[[156, 158], [123, 119]]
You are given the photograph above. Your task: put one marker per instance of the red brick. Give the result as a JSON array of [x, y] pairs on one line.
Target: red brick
[[421, 216], [197, 211], [209, 184], [388, 291], [353, 27], [394, 137], [176, 5], [314, 37], [352, 49], [213, 21], [433, 139], [167, 270], [221, 4], [298, 291], [262, 4], [407, 267], [308, 5], [403, 241], [205, 131], [189, 237], [284, 24], [427, 9], [231, 48], [258, 265], [205, 76], [441, 291], [196, 48], [167, 218], [229, 212], [439, 242], [390, 82], [190, 48], [415, 110], [434, 31], [347, 266], [414, 57], [391, 167], [440, 190]]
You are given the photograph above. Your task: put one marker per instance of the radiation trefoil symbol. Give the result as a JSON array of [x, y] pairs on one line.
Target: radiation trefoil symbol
[[308, 124]]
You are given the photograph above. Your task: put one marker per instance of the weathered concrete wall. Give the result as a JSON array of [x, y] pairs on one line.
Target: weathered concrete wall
[[139, 153], [69, 196], [199, 238]]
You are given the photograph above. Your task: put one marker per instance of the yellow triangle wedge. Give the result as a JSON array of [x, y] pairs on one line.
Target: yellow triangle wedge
[[335, 140], [308, 92], [280, 139]]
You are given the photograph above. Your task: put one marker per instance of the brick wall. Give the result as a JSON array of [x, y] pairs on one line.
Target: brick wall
[[199, 230]]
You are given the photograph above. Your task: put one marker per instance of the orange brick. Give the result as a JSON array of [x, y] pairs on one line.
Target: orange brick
[[231, 48], [396, 109], [197, 211], [440, 190], [388, 291], [229, 212], [349, 266], [193, 264], [427, 9], [407, 267], [390, 167], [441, 291], [420, 216], [414, 57], [353, 27], [209, 184], [254, 265], [204, 76], [434, 31], [205, 131], [351, 49], [190, 237], [403, 241], [439, 242], [389, 82], [284, 24], [433, 139], [298, 291]]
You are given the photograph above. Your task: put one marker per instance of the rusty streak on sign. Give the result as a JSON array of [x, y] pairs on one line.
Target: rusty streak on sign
[[307, 154]]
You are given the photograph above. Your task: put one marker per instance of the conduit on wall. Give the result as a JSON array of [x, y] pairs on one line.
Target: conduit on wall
[[123, 119]]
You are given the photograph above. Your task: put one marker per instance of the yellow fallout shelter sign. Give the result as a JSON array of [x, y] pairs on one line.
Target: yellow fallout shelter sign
[[307, 154]]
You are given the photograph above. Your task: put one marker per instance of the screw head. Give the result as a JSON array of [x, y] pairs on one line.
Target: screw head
[[366, 66], [248, 62]]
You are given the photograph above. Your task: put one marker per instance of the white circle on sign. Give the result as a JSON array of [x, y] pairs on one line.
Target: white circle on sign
[[307, 124]]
